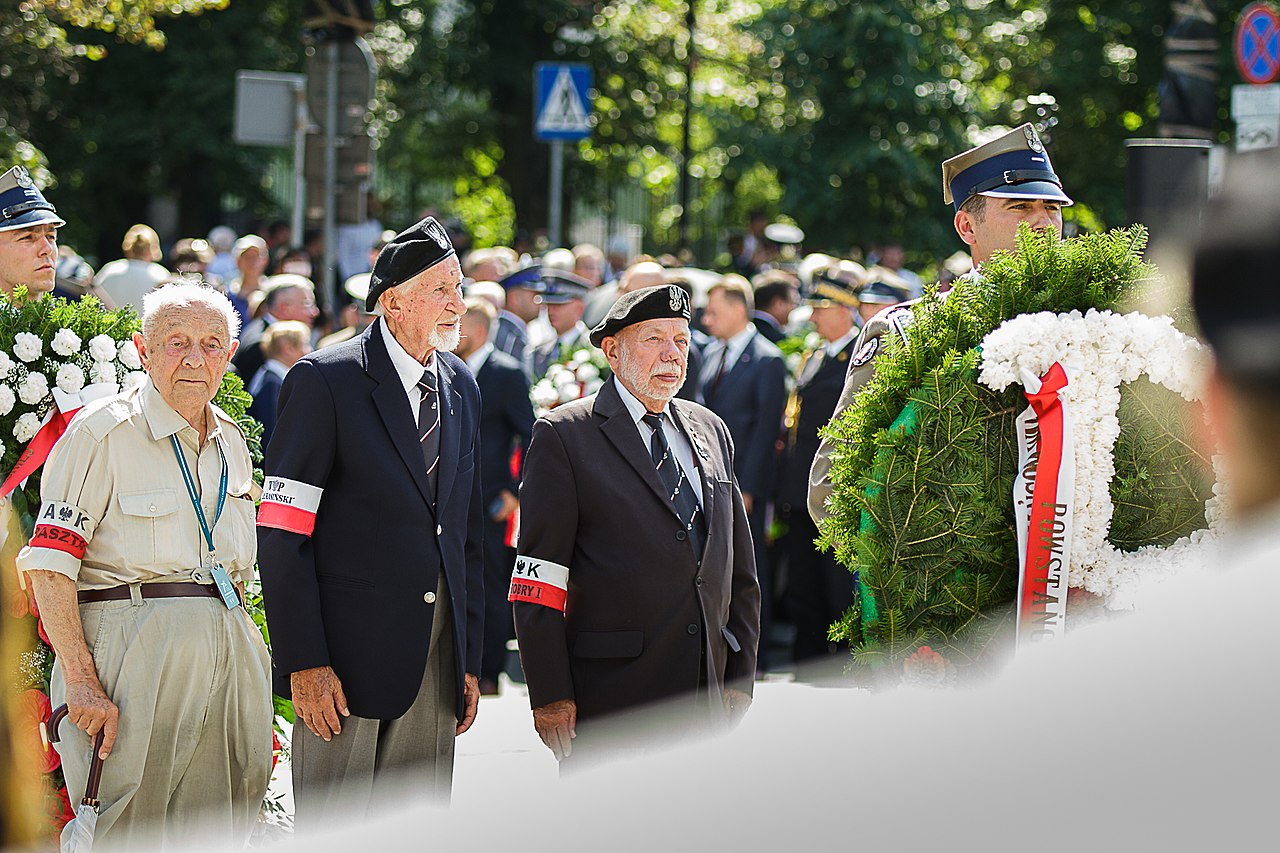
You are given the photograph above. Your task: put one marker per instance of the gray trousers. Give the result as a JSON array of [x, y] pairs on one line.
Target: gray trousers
[[193, 755], [374, 763]]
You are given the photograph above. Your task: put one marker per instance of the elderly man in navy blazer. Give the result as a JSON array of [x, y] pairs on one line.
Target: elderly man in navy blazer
[[370, 539]]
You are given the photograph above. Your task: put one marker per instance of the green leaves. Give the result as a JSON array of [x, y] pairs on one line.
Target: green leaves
[[925, 458]]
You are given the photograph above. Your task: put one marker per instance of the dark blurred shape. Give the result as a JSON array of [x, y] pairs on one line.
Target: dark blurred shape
[[1167, 186], [1187, 92]]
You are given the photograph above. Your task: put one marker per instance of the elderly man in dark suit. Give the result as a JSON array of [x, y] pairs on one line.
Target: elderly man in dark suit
[[369, 538], [506, 425], [636, 579], [744, 381]]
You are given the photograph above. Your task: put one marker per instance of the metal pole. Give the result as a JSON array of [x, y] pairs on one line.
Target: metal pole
[[331, 172], [557, 185], [299, 220], [685, 143]]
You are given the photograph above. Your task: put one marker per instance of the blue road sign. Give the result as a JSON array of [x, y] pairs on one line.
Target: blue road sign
[[561, 108], [1257, 44]]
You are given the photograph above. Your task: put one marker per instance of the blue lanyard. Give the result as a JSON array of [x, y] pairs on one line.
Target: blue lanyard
[[205, 527]]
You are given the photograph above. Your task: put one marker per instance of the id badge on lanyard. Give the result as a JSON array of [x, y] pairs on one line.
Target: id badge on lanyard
[[221, 579]]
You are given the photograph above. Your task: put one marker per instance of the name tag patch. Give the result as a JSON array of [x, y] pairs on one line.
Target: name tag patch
[[289, 505], [538, 581], [63, 527]]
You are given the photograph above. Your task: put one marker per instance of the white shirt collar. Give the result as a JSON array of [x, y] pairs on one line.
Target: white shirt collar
[[407, 367], [476, 360], [276, 367], [635, 408], [738, 343], [835, 346]]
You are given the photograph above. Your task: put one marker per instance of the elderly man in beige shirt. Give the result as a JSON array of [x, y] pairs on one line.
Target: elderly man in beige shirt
[[142, 546]]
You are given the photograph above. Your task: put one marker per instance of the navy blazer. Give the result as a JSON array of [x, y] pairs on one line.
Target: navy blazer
[[750, 399], [506, 422], [349, 543]]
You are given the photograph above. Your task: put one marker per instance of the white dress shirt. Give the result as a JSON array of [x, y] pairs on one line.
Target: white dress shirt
[[676, 439], [476, 360], [409, 369], [736, 346]]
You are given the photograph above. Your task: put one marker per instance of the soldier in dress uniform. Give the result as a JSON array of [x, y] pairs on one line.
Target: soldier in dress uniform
[[995, 187], [28, 235], [819, 589], [564, 294]]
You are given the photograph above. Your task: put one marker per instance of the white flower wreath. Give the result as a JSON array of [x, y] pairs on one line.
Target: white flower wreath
[[1102, 350]]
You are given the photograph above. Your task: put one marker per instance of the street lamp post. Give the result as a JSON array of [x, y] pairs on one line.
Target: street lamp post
[[685, 144]]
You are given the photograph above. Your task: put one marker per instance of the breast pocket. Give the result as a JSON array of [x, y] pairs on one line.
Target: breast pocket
[[154, 530]]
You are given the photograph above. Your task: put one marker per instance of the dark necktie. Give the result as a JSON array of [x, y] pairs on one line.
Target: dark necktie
[[429, 427], [678, 488], [714, 384]]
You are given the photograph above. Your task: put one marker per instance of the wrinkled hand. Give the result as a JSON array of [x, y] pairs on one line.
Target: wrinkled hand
[[89, 708], [509, 505], [556, 723], [736, 703], [318, 700], [471, 695]]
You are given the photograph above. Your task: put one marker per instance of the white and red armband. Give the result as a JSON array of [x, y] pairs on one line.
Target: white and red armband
[[539, 581], [63, 527], [289, 505]]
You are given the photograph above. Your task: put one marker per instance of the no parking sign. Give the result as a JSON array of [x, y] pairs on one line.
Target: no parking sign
[[1257, 44]]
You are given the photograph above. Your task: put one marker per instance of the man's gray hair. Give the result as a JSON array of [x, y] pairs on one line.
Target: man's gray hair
[[186, 293]]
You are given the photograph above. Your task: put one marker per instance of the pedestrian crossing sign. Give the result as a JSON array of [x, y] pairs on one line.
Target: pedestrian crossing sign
[[561, 108]]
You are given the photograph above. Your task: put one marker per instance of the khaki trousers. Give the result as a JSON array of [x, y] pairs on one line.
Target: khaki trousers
[[193, 756], [371, 764]]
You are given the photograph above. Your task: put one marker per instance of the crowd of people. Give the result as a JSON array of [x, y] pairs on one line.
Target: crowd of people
[[648, 536]]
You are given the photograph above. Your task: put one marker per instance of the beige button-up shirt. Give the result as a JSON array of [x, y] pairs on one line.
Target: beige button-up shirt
[[115, 510]]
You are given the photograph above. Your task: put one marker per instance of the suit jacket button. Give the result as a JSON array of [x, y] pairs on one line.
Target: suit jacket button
[[439, 529], [697, 581], [681, 535], [429, 598], [692, 629]]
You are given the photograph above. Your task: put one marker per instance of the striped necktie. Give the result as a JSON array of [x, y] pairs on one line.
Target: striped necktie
[[679, 491], [429, 427]]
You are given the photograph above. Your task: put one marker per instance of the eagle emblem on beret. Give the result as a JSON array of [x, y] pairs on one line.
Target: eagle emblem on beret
[[436, 232], [677, 295], [23, 177], [1033, 140]]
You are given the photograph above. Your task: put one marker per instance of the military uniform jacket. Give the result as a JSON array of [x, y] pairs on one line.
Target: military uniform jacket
[[817, 390], [894, 321], [600, 541], [349, 544]]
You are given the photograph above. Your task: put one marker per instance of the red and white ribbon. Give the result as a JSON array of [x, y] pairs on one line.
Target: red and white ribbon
[[55, 424], [539, 581], [1043, 501]]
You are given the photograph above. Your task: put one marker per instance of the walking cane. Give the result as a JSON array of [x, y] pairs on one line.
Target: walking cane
[[77, 837]]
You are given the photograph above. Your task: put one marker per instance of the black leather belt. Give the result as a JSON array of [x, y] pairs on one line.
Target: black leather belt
[[151, 590]]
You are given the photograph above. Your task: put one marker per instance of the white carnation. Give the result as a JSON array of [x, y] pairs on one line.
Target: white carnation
[[544, 394], [33, 389], [70, 378], [129, 356], [587, 372], [27, 346], [102, 348], [7, 399], [134, 378], [568, 393], [104, 371], [26, 427], [65, 342], [6, 365]]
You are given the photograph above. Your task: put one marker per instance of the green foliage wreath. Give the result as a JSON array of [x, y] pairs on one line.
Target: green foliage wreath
[[924, 460]]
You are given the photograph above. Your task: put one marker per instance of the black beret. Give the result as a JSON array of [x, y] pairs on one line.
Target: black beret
[[663, 302], [413, 250]]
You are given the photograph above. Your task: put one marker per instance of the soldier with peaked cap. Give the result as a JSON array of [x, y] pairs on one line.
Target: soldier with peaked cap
[[370, 537], [819, 589], [635, 580], [564, 295], [512, 333], [28, 235], [995, 187]]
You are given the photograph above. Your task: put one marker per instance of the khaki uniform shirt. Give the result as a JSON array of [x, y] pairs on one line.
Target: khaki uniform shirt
[[114, 506]]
